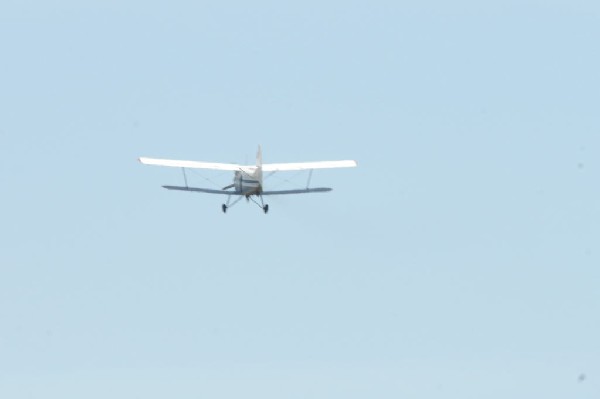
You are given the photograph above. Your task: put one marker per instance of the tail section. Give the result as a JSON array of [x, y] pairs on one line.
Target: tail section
[[258, 173], [259, 158]]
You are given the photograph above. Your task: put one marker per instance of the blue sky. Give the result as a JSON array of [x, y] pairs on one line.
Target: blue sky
[[460, 259]]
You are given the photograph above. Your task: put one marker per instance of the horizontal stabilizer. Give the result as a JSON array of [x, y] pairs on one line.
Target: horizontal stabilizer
[[225, 192]]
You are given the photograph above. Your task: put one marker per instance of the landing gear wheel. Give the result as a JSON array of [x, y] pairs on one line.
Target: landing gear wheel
[[224, 208], [266, 208]]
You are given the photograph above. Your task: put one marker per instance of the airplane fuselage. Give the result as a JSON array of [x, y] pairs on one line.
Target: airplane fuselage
[[248, 182]]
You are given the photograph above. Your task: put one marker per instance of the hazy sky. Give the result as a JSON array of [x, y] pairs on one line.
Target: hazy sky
[[460, 259]]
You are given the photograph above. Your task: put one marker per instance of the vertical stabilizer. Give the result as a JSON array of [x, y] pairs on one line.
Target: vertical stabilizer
[[258, 173], [259, 157]]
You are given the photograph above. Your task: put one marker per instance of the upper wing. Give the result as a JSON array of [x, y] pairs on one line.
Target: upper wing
[[275, 167], [192, 164]]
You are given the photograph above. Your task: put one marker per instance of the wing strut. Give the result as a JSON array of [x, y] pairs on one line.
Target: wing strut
[[184, 177], [310, 172]]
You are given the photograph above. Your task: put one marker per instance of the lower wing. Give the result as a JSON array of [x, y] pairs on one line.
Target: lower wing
[[278, 192]]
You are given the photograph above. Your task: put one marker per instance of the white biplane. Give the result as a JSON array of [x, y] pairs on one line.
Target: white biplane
[[248, 179]]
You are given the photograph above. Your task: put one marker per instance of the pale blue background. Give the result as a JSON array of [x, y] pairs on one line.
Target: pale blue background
[[460, 260]]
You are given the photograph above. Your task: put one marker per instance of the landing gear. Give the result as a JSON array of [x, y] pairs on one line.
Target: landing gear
[[265, 207], [229, 203], [261, 205]]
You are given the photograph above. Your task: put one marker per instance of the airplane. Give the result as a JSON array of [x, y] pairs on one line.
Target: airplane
[[248, 179]]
